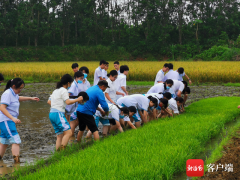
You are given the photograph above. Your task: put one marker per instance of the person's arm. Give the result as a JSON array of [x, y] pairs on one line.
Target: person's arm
[[168, 112], [49, 102], [189, 80], [101, 78], [179, 93], [72, 101], [3, 108], [131, 125], [124, 90], [239, 107], [143, 115], [108, 97], [119, 93], [23, 98], [103, 103], [101, 111]]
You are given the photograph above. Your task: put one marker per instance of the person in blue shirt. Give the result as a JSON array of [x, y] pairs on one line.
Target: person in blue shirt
[[86, 111]]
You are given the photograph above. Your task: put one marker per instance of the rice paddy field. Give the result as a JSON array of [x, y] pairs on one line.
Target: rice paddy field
[[198, 71], [158, 150]]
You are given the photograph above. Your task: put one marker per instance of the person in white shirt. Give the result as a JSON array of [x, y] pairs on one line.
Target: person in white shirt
[[160, 75], [177, 88], [117, 66], [75, 67], [142, 103], [182, 74], [85, 84], [98, 75], [9, 111], [161, 87], [121, 81], [104, 71], [58, 102], [111, 92], [171, 73]]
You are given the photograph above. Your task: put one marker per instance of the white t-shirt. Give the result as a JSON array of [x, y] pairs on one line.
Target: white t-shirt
[[177, 86], [12, 101], [58, 98], [114, 113], [171, 75], [98, 73], [180, 78], [111, 91], [74, 91], [172, 104], [119, 72], [159, 77], [104, 74], [121, 81], [155, 95], [157, 88], [140, 101], [84, 86]]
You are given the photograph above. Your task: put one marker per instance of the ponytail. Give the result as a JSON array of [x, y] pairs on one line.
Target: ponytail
[[66, 78], [59, 85], [124, 109], [16, 81]]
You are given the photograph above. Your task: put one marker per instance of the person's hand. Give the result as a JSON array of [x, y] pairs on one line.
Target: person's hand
[[123, 94], [35, 99], [126, 93], [102, 113], [239, 107], [80, 99], [17, 121], [190, 82]]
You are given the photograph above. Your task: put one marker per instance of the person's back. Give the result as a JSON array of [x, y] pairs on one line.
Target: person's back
[[171, 75], [157, 88], [58, 98], [142, 101]]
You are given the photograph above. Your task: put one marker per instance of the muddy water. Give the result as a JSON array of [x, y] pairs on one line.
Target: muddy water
[[37, 134]]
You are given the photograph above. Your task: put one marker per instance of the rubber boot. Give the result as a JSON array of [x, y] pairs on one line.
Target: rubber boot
[[16, 159]]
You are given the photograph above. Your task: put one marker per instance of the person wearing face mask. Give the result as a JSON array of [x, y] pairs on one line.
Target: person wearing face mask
[[58, 101], [141, 103], [111, 93], [85, 113], [9, 111], [85, 84], [161, 87], [1, 78]]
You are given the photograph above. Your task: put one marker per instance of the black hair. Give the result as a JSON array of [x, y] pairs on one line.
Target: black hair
[[84, 95], [78, 74], [16, 81], [85, 69], [103, 83], [124, 109], [132, 109], [107, 63], [154, 100], [180, 70], [112, 73], [167, 95], [116, 62], [185, 83], [180, 99], [66, 78], [170, 66], [168, 81], [164, 101], [124, 68], [165, 65], [186, 90], [102, 62], [74, 65], [1, 77]]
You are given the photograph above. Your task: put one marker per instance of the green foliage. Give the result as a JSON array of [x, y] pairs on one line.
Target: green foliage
[[157, 150], [232, 84]]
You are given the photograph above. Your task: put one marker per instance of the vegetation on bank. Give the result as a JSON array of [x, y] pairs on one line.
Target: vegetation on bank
[[157, 150]]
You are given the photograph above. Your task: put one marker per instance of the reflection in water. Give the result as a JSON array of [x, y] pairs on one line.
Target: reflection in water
[[6, 168]]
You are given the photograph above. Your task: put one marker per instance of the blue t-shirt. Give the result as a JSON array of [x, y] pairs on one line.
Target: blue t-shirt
[[96, 97]]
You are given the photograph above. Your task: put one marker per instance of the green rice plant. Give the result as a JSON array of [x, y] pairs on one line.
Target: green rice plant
[[158, 150]]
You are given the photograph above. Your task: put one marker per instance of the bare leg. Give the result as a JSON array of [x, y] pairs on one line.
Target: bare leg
[[15, 149], [3, 148], [73, 126], [59, 141], [119, 126], [79, 136], [66, 135], [105, 130], [138, 124], [96, 136], [89, 134]]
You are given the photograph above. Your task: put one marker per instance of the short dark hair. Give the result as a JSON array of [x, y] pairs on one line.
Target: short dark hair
[[132, 109], [1, 77], [180, 99], [167, 95], [154, 100], [186, 90], [107, 62], [124, 68], [116, 62], [180, 70], [16, 81], [74, 65], [169, 81], [165, 65], [78, 74], [164, 101], [103, 83], [84, 95], [66, 78], [85, 69], [185, 83], [102, 62], [112, 73], [170, 66]]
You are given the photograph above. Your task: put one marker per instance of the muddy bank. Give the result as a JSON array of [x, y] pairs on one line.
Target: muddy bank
[[37, 134], [228, 167]]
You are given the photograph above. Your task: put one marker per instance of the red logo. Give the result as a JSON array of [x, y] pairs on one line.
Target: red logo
[[195, 168]]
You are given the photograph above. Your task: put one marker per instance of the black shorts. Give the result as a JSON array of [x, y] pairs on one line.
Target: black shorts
[[112, 121], [86, 120]]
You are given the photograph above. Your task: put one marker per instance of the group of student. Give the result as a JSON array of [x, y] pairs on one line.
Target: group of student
[[75, 102]]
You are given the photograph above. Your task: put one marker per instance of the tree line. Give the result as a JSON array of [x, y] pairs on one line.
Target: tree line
[[156, 26]]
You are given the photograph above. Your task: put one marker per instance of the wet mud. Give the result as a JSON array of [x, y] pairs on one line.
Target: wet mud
[[37, 134]]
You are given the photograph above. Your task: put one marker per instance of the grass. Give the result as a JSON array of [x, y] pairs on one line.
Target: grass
[[199, 72], [232, 84], [157, 150]]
